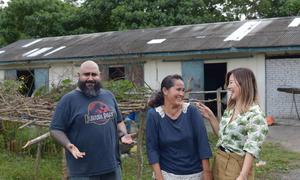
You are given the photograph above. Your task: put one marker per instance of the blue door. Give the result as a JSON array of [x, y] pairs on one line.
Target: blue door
[[41, 78], [193, 75]]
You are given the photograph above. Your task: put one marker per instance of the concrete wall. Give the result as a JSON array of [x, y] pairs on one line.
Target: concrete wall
[[2, 73], [59, 72], [282, 73], [257, 65], [156, 70]]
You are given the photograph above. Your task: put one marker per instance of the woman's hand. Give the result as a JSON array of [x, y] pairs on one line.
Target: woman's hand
[[209, 115], [205, 111]]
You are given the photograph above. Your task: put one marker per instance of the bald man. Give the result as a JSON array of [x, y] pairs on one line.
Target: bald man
[[88, 123]]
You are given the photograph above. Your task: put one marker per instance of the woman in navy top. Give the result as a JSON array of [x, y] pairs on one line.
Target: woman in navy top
[[177, 143]]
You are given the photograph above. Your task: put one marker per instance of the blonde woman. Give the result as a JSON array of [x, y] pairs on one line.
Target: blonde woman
[[242, 129]]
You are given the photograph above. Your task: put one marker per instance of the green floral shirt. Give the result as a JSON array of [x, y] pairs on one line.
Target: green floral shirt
[[245, 134]]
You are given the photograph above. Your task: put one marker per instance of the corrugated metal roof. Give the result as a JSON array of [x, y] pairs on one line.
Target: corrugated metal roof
[[268, 33]]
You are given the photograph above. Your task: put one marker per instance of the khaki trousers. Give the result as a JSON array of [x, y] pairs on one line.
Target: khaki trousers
[[227, 166]]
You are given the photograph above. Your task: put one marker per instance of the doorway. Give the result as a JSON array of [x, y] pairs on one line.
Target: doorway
[[214, 74], [27, 77], [116, 73]]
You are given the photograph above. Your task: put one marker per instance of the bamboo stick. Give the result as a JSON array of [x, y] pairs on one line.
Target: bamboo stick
[[36, 140], [219, 104], [140, 160], [64, 165], [37, 162], [27, 124]]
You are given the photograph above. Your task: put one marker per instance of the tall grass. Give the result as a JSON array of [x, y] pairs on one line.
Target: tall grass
[[16, 166]]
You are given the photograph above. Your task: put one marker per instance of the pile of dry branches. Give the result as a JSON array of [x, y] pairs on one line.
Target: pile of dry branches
[[37, 111], [27, 110]]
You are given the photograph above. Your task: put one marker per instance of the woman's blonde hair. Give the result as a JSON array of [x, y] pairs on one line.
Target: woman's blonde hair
[[248, 87]]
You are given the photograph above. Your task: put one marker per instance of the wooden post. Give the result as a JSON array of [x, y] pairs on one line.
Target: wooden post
[[37, 162], [64, 165], [38, 158], [219, 104], [1, 126], [141, 132]]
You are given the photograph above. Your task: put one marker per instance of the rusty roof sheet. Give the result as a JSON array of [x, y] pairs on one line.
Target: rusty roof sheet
[[269, 33]]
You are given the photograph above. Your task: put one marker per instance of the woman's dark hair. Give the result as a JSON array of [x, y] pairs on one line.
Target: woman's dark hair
[[157, 99]]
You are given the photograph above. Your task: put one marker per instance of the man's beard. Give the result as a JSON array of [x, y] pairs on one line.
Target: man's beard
[[91, 90]]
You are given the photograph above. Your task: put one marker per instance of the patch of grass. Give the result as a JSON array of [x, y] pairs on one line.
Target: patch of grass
[[18, 167], [129, 168], [278, 160]]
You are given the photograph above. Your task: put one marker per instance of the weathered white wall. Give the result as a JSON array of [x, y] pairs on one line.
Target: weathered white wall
[[2, 75], [257, 65], [59, 72], [156, 70]]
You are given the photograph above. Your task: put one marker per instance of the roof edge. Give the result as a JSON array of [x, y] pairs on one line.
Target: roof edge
[[160, 54]]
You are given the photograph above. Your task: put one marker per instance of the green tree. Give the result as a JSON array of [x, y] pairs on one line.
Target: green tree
[[41, 18], [8, 32], [287, 8], [36, 18], [132, 14], [75, 2], [95, 14], [269, 8], [261, 8]]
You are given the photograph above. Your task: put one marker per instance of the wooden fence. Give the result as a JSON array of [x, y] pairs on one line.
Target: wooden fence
[[218, 99]]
